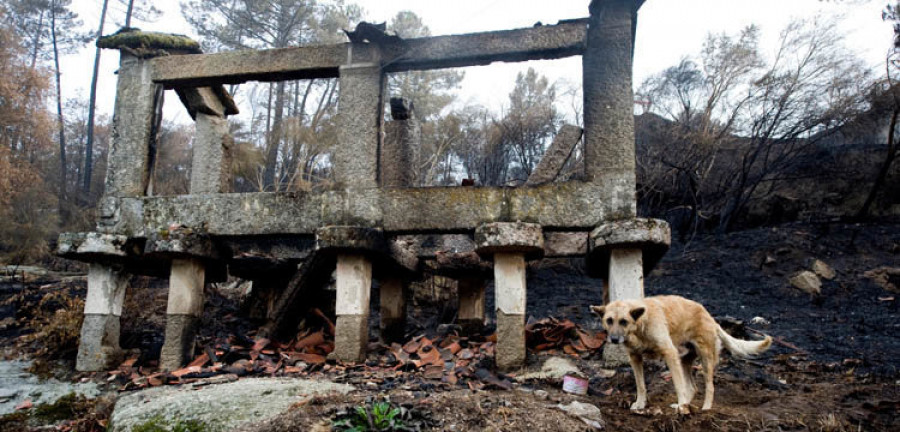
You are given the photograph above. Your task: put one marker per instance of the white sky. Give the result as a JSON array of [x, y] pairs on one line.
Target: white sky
[[667, 31]]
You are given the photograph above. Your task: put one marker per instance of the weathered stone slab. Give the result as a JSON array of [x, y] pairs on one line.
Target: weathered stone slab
[[337, 239], [534, 43], [652, 236], [93, 243], [556, 156], [560, 205], [509, 237]]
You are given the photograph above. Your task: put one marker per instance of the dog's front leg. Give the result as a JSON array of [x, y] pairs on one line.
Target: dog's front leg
[[673, 362], [637, 365]]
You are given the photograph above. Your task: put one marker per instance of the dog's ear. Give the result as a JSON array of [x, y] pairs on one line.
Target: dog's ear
[[637, 312], [598, 310]]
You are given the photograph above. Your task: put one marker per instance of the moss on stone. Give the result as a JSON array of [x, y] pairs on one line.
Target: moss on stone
[[159, 424], [145, 42]]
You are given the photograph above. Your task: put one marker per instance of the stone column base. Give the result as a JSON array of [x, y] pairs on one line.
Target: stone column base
[[99, 347], [471, 305], [510, 351], [351, 338], [178, 347]]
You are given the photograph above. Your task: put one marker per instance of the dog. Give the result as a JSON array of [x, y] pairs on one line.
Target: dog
[[658, 326]]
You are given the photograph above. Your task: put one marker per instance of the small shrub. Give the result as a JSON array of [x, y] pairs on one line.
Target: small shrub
[[376, 417]]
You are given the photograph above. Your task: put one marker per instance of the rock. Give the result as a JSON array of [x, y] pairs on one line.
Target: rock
[[216, 407], [553, 368], [807, 282], [770, 260], [823, 270], [760, 321], [18, 385], [885, 277], [588, 413], [541, 394]]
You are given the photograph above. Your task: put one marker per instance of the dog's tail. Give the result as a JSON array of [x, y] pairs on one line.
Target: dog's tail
[[742, 348]]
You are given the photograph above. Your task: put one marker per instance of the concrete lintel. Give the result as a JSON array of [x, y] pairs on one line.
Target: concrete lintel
[[509, 237], [215, 101], [534, 43], [652, 236]]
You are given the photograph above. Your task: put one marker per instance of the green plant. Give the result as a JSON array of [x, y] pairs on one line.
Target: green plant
[[378, 417]]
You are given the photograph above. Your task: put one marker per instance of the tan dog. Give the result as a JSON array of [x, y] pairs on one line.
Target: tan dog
[[659, 326]]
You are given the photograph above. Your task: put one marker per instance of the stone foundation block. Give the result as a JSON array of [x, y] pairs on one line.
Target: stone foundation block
[[178, 348], [99, 347], [510, 351], [509, 237], [351, 337]]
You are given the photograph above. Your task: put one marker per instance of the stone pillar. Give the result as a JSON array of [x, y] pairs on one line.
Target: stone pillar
[[510, 298], [354, 283], [402, 142], [211, 160], [360, 106], [132, 151], [471, 304], [608, 97], [99, 347], [185, 308], [510, 243], [393, 309], [626, 274]]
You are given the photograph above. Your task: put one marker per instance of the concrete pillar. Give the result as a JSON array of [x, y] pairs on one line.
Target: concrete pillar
[[608, 97], [402, 142], [509, 297], [360, 107], [185, 308], [354, 283], [471, 304], [625, 282], [132, 151], [211, 160], [626, 274], [393, 309], [99, 347]]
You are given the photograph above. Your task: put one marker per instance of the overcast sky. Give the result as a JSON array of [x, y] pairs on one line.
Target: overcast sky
[[667, 31]]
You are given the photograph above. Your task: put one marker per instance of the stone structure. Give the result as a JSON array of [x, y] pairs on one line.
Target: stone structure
[[375, 223]]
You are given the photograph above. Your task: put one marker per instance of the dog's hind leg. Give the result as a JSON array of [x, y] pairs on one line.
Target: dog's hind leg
[[673, 362], [709, 356], [637, 365], [687, 365]]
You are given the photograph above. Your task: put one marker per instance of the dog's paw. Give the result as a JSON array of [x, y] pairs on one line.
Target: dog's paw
[[681, 409], [638, 405]]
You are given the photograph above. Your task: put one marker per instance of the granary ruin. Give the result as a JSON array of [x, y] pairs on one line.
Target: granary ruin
[[372, 223]]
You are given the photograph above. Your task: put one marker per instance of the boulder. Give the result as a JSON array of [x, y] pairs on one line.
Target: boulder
[[215, 407]]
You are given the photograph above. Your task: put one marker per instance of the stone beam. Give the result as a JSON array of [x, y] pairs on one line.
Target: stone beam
[[534, 43], [561, 206]]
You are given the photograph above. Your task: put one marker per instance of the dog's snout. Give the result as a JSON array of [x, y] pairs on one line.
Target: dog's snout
[[616, 339]]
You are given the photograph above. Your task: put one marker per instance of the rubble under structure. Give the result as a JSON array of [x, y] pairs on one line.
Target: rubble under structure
[[374, 222]]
